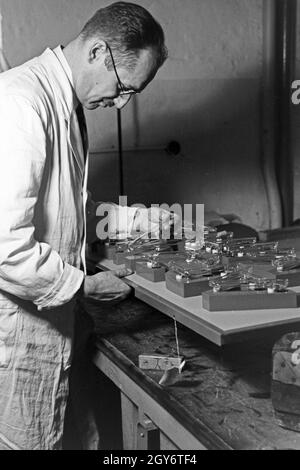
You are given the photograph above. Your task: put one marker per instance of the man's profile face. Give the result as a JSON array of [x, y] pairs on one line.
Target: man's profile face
[[100, 87]]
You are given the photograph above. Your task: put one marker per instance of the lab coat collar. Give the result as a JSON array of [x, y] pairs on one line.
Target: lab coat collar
[[58, 51], [60, 76]]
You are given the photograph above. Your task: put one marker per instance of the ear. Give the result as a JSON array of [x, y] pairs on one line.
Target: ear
[[97, 51]]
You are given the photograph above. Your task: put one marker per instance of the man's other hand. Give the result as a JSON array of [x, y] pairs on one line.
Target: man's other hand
[[107, 286], [155, 220]]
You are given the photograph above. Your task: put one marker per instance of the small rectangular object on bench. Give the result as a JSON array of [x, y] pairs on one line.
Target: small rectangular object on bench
[[248, 300], [156, 362], [151, 274], [119, 257], [131, 260], [186, 289]]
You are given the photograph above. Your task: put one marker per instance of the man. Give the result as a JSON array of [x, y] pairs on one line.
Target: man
[[4, 65], [43, 174]]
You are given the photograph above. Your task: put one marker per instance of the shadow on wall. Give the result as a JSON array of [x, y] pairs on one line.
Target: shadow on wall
[[217, 123]]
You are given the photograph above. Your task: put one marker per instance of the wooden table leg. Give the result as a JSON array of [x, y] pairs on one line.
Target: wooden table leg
[[139, 432], [130, 418], [147, 434]]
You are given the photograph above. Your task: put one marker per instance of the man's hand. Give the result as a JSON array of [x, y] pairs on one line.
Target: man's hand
[[155, 220], [107, 286]]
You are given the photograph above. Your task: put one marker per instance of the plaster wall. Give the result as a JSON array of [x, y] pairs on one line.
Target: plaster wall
[[206, 97]]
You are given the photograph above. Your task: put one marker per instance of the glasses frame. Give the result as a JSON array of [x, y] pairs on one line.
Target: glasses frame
[[122, 91]]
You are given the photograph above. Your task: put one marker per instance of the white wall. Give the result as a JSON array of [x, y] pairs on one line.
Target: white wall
[[206, 97]]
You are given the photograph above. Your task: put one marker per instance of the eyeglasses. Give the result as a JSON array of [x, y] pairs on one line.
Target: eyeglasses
[[123, 91]]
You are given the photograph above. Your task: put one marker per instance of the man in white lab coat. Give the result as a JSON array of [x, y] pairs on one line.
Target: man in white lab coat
[[43, 175]]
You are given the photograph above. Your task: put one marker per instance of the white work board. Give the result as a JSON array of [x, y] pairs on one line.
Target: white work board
[[218, 327]]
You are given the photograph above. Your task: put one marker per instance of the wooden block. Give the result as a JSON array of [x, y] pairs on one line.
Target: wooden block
[[151, 274], [130, 261], [109, 251], [248, 300], [186, 289], [119, 257], [155, 362], [285, 389]]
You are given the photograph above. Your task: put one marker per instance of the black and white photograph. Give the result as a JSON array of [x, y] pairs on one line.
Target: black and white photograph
[[149, 227]]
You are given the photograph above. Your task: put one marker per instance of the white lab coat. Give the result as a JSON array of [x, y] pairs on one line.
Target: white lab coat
[[43, 174]]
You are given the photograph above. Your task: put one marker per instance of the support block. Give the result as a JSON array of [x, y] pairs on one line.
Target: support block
[[248, 300], [130, 261], [119, 258], [109, 251], [186, 289], [151, 274], [147, 434]]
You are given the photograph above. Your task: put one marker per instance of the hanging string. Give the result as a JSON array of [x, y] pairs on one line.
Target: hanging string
[[180, 362], [176, 337]]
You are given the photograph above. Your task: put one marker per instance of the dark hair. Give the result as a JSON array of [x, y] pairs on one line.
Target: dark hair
[[127, 28]]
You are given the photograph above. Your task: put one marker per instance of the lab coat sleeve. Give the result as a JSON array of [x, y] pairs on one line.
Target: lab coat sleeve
[[29, 269], [4, 65]]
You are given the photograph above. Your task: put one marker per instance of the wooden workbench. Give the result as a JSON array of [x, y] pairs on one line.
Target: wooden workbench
[[218, 327], [221, 400]]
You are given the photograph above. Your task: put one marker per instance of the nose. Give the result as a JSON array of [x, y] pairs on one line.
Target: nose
[[121, 101]]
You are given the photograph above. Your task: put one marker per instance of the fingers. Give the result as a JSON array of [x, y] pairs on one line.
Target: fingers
[[107, 286], [124, 292], [124, 272], [114, 298], [155, 220]]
